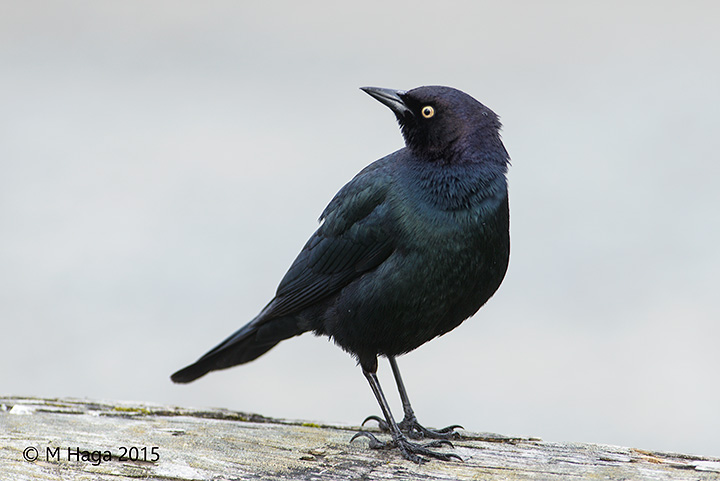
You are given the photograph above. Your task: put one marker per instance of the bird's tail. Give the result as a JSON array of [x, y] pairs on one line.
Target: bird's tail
[[248, 343]]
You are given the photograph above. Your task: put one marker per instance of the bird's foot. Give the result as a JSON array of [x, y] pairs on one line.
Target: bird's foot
[[414, 430], [411, 451]]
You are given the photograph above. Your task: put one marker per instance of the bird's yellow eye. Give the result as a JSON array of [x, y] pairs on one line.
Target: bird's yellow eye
[[427, 111]]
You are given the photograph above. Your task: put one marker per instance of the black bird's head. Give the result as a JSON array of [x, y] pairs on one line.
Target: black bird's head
[[442, 123]]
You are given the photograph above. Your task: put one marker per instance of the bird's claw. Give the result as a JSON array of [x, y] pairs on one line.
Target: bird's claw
[[414, 430], [374, 443], [382, 425], [439, 443], [410, 451]]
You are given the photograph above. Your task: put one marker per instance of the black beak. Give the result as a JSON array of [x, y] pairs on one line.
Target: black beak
[[391, 98]]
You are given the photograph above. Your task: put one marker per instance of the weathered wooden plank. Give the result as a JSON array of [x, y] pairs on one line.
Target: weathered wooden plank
[[77, 439]]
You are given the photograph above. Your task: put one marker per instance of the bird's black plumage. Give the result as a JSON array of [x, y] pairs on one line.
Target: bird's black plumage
[[412, 246]]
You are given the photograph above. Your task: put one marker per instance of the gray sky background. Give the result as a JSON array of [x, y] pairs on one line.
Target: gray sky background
[[162, 163]]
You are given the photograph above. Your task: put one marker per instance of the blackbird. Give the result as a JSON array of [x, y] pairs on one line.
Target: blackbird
[[412, 246]]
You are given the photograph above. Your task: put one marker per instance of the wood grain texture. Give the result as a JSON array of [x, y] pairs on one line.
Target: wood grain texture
[[220, 444]]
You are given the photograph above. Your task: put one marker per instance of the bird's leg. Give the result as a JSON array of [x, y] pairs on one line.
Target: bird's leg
[[410, 425], [411, 451]]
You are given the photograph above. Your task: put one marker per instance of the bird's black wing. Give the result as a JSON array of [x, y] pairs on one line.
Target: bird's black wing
[[355, 236]]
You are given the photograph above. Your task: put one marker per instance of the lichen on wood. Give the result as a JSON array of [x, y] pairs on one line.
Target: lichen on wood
[[77, 439]]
